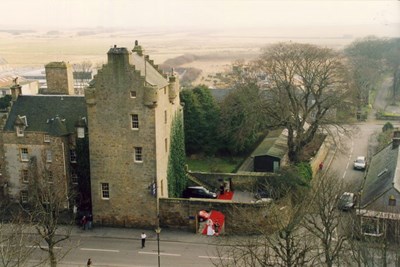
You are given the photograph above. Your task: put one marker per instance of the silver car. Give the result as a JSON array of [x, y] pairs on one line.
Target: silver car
[[360, 163]]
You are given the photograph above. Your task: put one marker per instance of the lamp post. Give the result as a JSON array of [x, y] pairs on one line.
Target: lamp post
[[158, 231]]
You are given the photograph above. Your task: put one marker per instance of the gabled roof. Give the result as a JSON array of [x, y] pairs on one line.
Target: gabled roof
[[54, 114], [274, 144], [382, 175], [152, 75]]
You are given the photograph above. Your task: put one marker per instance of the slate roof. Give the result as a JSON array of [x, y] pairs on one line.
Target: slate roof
[[274, 144], [382, 175], [54, 114], [146, 69]]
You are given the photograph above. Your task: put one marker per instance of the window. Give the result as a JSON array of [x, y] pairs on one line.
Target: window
[[162, 187], [49, 156], [24, 196], [72, 156], [105, 191], [166, 144], [138, 154], [20, 131], [24, 154], [25, 176], [46, 138], [165, 90], [135, 121], [133, 94], [392, 201], [165, 116], [370, 226], [74, 177], [80, 131], [50, 177]]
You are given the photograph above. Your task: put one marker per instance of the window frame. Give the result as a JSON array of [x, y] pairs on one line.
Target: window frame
[[46, 138], [49, 155], [25, 176], [135, 121], [50, 177], [24, 196], [24, 154], [133, 94], [20, 131], [138, 154], [72, 156], [374, 222], [105, 191], [74, 176]]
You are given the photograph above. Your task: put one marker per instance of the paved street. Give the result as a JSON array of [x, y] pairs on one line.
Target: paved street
[[108, 246]]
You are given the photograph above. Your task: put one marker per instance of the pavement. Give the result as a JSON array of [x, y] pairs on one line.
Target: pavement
[[166, 234]]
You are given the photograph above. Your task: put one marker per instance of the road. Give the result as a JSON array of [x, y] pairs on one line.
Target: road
[[361, 143], [106, 251]]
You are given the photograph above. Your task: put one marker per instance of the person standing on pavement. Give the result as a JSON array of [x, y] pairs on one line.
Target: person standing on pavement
[[90, 221], [143, 236], [84, 222], [89, 262]]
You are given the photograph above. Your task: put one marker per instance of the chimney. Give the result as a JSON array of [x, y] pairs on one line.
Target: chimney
[[396, 138], [59, 77], [15, 91]]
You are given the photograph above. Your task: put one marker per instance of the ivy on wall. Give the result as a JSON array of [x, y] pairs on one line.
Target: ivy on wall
[[176, 173]]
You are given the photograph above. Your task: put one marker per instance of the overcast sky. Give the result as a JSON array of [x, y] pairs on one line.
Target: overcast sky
[[195, 13]]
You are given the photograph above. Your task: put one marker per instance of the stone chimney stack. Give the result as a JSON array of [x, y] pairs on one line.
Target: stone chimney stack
[[16, 90], [59, 78], [396, 138]]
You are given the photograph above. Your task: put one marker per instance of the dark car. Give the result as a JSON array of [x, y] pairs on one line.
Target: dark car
[[198, 192]]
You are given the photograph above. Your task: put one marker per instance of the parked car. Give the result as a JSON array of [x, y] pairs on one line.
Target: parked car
[[360, 163], [347, 201], [198, 192]]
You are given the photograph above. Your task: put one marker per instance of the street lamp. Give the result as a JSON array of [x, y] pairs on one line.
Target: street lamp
[[158, 231]]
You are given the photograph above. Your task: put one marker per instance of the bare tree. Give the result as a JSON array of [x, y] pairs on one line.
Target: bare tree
[[306, 85], [279, 240], [15, 249], [323, 219], [48, 201], [82, 75]]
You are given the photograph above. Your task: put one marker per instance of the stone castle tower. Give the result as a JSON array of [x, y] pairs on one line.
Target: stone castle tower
[[59, 76], [130, 106]]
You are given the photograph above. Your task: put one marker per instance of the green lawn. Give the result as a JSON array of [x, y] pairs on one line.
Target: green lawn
[[211, 164]]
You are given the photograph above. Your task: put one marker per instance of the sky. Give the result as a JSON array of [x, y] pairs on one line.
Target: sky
[[199, 14]]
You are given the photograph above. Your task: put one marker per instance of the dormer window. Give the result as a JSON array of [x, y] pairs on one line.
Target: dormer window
[[20, 125], [133, 94], [80, 131], [46, 138], [392, 201], [80, 127], [20, 131]]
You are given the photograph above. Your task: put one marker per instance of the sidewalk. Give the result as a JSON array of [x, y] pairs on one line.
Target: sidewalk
[[166, 234]]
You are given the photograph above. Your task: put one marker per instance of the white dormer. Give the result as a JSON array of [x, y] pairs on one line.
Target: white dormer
[[20, 124]]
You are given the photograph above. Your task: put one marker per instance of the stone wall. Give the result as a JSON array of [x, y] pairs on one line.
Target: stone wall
[[239, 217], [34, 142], [321, 155], [244, 181]]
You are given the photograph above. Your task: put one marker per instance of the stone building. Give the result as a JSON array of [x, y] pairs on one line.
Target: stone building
[[131, 106], [41, 130]]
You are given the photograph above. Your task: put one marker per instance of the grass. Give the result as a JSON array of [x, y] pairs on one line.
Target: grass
[[213, 164]]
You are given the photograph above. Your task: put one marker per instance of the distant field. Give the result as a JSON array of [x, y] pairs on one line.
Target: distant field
[[216, 50]]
